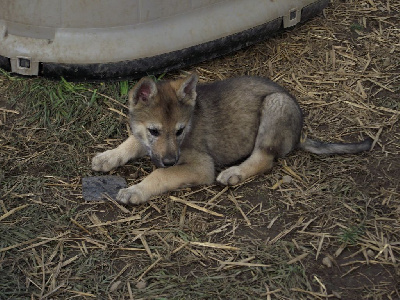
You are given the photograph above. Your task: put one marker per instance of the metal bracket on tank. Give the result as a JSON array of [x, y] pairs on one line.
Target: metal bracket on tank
[[24, 65], [292, 18]]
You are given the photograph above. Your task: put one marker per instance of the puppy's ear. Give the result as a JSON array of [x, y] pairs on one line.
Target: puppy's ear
[[143, 92], [186, 89]]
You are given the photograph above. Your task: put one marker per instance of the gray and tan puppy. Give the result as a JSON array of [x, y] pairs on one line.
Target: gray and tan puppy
[[188, 129]]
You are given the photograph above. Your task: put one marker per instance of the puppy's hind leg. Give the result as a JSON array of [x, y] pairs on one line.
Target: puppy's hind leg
[[258, 162], [278, 133], [131, 148]]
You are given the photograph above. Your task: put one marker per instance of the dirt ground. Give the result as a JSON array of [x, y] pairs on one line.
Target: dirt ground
[[332, 231]]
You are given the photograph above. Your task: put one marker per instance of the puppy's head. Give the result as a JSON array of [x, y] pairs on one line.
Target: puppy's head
[[160, 116]]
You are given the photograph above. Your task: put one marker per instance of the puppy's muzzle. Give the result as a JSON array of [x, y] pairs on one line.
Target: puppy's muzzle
[[169, 161]]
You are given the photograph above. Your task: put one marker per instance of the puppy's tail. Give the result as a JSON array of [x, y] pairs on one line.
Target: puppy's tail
[[318, 147]]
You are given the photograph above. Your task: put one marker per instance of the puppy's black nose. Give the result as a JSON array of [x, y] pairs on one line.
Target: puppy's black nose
[[169, 161]]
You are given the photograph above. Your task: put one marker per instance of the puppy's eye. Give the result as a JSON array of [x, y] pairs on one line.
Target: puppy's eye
[[154, 131], [180, 131]]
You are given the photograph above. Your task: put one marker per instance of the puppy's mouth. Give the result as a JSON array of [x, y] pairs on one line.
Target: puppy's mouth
[[157, 162]]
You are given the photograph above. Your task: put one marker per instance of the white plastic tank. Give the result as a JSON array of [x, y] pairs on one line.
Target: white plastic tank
[[93, 39]]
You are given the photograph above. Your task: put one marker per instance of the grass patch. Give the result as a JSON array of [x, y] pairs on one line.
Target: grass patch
[[356, 27], [351, 234]]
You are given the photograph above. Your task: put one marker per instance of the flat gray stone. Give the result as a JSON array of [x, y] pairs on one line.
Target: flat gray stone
[[94, 188]]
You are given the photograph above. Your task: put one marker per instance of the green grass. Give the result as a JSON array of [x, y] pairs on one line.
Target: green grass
[[356, 26], [124, 86], [351, 234]]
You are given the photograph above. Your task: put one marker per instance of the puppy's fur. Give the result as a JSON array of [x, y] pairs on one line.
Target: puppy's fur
[[188, 129]]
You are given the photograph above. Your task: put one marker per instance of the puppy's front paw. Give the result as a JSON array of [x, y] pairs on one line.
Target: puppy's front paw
[[230, 176], [132, 195], [106, 161]]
